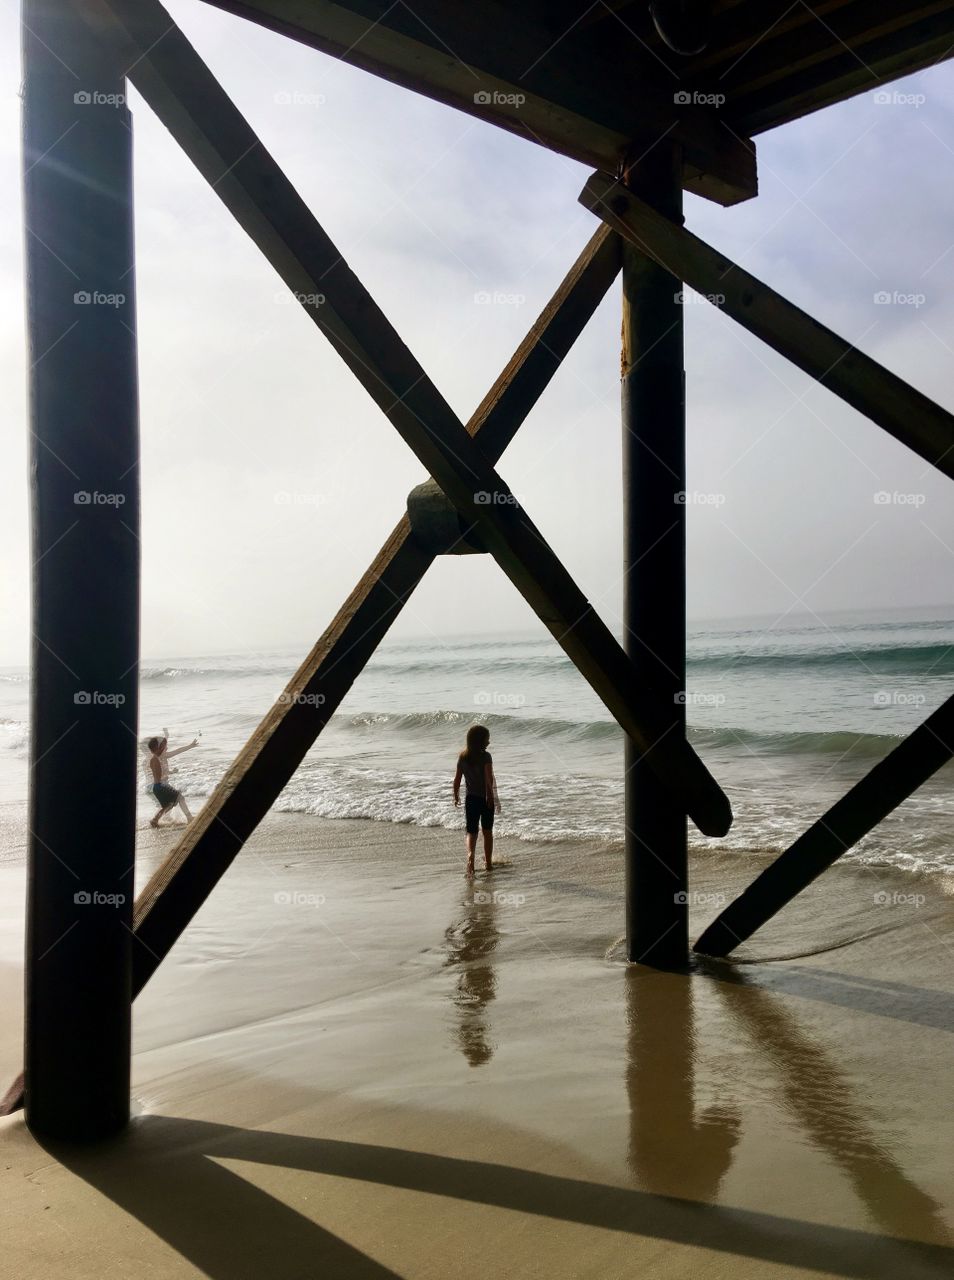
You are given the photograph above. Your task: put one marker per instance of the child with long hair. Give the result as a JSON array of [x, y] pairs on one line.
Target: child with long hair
[[475, 765]]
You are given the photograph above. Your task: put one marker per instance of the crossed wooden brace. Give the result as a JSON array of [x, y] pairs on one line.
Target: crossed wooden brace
[[186, 97]]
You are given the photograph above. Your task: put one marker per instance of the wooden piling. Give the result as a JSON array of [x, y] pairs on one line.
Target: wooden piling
[[654, 562], [84, 472]]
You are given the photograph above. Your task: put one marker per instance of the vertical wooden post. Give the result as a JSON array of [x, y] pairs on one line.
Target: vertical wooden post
[[84, 471], [654, 561]]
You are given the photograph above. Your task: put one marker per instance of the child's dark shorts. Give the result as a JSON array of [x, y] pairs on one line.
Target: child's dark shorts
[[478, 813], [165, 795]]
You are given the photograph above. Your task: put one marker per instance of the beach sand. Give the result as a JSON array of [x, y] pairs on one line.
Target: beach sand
[[356, 1064]]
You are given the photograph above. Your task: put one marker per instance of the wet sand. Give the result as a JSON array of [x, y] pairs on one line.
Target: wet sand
[[356, 1064]]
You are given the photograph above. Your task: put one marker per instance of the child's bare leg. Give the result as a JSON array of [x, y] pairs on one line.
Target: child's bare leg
[[488, 849], [184, 807], [154, 822], [471, 850]]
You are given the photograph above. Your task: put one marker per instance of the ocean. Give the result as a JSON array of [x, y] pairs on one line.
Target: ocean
[[787, 715]]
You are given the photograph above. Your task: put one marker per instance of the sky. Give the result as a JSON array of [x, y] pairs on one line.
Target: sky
[[270, 479]]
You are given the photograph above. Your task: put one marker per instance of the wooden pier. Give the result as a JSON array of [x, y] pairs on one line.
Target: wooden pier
[[677, 107]]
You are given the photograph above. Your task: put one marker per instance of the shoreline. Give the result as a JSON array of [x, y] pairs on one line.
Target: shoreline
[[414, 1058]]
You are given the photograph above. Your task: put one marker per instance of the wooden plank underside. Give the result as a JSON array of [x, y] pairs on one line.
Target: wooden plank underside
[[502, 65], [908, 415], [868, 802]]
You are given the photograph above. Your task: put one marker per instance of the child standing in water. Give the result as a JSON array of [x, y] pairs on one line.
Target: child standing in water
[[157, 771], [476, 767]]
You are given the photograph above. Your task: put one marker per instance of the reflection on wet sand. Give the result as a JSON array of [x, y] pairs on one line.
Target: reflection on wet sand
[[672, 1149], [469, 944], [826, 1106]]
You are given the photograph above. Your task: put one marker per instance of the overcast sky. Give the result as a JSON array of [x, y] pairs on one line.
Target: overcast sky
[[270, 479]]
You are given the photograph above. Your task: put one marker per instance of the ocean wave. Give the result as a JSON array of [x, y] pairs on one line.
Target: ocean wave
[[918, 659], [194, 673], [14, 735], [840, 743], [467, 662], [836, 742]]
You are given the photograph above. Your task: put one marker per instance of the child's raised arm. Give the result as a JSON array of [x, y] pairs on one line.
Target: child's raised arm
[[188, 747]]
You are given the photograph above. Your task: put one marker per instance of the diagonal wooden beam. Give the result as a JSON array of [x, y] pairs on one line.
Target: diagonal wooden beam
[[907, 414], [188, 99], [291, 727], [869, 802]]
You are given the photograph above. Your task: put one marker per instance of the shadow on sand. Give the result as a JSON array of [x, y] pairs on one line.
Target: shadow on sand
[[166, 1172]]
